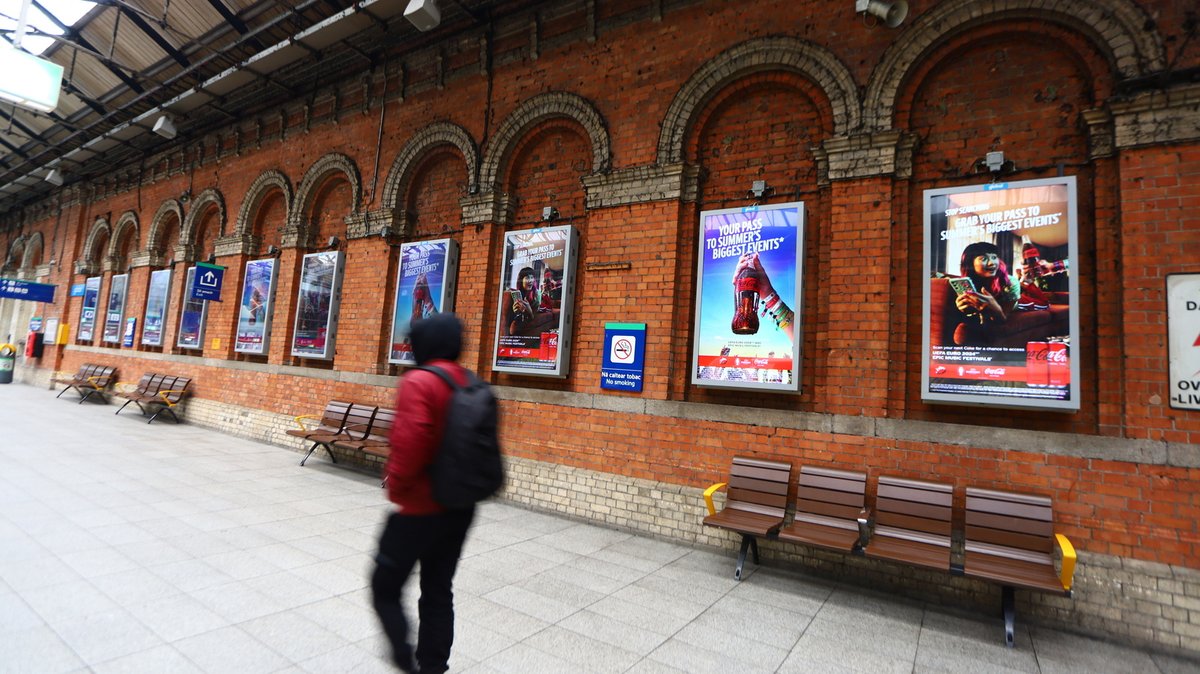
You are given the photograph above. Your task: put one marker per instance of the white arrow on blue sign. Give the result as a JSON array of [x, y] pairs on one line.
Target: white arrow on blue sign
[[206, 284]]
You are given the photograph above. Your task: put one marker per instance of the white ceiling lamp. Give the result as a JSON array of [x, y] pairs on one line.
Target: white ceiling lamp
[[423, 14], [165, 127], [54, 177], [28, 81], [891, 12]]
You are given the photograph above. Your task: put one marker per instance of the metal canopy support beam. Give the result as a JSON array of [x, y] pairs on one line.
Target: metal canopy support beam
[[233, 20], [70, 35], [155, 35]]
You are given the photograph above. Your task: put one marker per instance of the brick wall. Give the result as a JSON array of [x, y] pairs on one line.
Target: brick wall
[[632, 120]]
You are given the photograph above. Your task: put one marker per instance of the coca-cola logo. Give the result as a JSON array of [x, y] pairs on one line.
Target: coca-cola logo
[[994, 371], [1057, 356]]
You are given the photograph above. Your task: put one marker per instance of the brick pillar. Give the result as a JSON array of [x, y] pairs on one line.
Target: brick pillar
[[857, 287]]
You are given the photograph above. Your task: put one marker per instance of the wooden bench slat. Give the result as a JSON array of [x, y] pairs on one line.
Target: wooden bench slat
[[778, 501], [906, 493], [846, 512], [760, 473], [933, 526], [1025, 511], [1014, 573], [1023, 526], [832, 483], [856, 499], [910, 552], [764, 486]]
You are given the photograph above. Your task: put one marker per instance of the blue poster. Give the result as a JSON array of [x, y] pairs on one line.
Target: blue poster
[[624, 356]]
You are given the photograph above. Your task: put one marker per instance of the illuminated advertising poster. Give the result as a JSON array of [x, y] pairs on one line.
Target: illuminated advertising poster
[[254, 312], [317, 305], [999, 328], [533, 325], [156, 307], [87, 315], [114, 314], [191, 317], [749, 273], [1183, 340], [424, 286]]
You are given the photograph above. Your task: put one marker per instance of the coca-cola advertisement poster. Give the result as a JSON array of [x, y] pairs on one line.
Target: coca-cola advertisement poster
[[424, 286], [750, 271], [533, 322], [317, 304], [1000, 321], [254, 311]]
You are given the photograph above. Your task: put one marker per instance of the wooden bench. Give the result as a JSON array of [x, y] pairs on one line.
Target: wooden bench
[[355, 423], [1010, 541], [157, 393], [377, 440], [91, 379], [913, 522], [830, 510], [755, 503]]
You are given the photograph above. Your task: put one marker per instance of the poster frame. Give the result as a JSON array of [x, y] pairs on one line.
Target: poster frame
[[1181, 330], [150, 336], [1071, 402], [268, 308], [444, 302], [794, 300], [119, 324], [562, 359], [331, 313], [183, 310], [87, 326]]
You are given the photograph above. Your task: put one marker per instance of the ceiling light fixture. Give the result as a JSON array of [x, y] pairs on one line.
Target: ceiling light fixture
[[54, 177], [165, 127], [423, 14], [891, 12]]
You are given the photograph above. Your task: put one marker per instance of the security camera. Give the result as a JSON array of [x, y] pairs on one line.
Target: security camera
[[549, 214]]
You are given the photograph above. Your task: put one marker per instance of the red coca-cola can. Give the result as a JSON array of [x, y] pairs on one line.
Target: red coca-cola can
[[549, 346], [1037, 371], [1058, 363]]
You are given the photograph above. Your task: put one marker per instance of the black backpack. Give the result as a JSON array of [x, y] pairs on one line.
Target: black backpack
[[468, 467]]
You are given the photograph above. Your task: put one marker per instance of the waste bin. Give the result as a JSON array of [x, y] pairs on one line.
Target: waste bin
[[8, 360]]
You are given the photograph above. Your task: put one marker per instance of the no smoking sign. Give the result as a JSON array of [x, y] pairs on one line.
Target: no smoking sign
[[625, 347]]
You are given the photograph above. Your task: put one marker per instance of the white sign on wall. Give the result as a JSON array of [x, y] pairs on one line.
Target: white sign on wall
[[1183, 338]]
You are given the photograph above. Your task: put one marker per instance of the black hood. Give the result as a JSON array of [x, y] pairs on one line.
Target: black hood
[[436, 337]]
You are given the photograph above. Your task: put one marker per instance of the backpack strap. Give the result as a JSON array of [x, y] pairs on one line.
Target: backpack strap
[[445, 376]]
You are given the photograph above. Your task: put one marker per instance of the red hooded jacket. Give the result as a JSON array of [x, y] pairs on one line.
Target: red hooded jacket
[[422, 404]]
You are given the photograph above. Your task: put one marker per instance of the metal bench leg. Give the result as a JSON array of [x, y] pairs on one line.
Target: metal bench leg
[[168, 410], [123, 406], [1010, 614], [747, 543], [62, 392], [329, 448], [310, 451]]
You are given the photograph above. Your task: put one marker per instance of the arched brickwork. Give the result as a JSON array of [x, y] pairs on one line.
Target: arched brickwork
[[127, 226], [207, 200], [156, 242], [15, 252], [331, 163], [33, 252], [531, 113], [427, 140], [260, 189], [1118, 27], [99, 232], [775, 53]]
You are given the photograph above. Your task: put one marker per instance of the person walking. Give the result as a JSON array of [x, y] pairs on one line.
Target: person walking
[[420, 529]]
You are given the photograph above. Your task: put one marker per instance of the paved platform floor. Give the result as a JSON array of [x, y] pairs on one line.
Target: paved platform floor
[[134, 548]]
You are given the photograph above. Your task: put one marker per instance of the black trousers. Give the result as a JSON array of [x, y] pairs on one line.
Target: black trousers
[[436, 541]]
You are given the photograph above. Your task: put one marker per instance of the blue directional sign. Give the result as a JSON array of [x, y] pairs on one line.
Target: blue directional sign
[[624, 356], [78, 289], [206, 282], [26, 290]]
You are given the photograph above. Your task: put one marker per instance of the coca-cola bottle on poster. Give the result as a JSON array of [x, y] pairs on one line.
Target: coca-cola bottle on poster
[[1037, 373], [745, 302], [1058, 364]]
